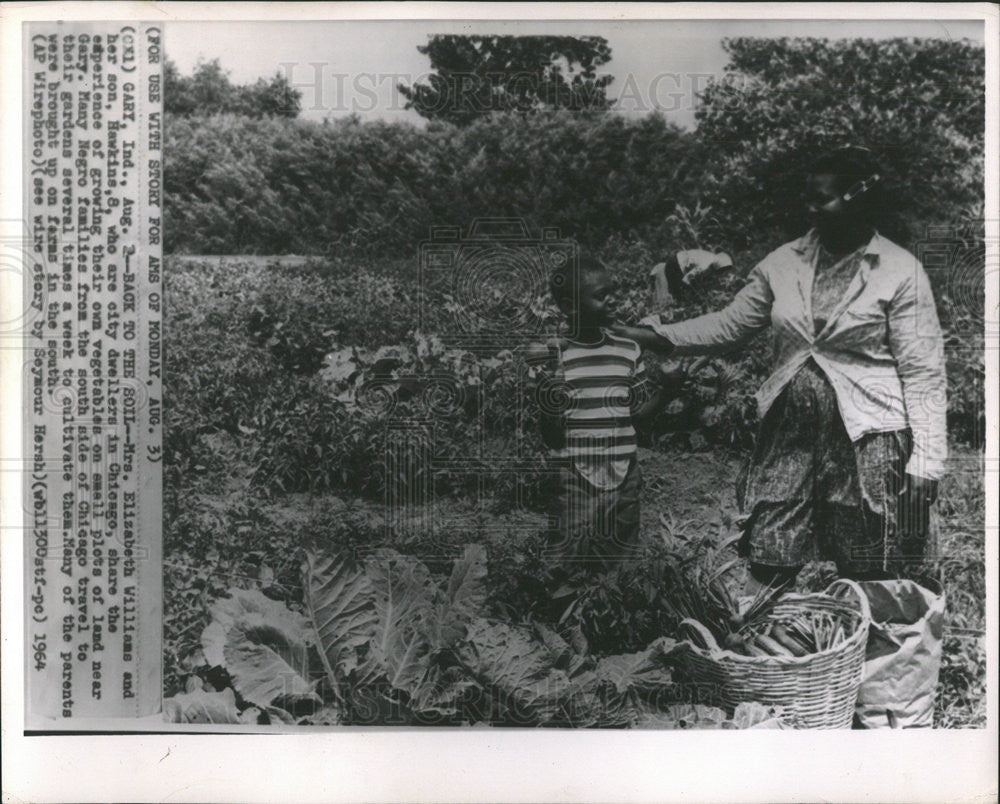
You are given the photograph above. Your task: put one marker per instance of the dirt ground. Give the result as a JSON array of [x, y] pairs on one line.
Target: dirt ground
[[229, 536]]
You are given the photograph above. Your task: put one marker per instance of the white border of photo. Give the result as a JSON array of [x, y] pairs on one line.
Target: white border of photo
[[475, 764]]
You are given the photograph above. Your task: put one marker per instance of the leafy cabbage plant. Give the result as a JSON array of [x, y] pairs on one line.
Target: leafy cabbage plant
[[381, 641]]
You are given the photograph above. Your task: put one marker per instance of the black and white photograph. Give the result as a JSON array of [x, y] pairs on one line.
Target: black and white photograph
[[441, 375]]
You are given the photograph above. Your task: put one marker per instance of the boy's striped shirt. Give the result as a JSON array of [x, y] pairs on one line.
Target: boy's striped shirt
[[601, 380]]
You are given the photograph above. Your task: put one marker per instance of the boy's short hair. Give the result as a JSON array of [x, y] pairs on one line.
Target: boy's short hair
[[564, 281]]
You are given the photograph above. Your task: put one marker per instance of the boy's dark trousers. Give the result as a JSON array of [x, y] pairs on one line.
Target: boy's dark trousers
[[598, 529]]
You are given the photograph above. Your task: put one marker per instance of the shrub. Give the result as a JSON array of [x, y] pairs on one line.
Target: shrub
[[918, 104], [237, 185]]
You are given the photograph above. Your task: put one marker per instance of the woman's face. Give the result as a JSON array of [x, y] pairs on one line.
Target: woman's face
[[824, 201]]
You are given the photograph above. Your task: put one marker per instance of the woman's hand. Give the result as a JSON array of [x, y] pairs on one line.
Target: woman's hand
[[644, 336]]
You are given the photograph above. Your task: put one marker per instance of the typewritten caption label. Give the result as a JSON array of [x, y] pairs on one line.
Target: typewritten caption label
[[93, 384]]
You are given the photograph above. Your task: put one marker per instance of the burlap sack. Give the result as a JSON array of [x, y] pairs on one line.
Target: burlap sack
[[903, 657]]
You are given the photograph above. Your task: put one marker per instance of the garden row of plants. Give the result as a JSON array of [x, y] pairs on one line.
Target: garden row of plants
[[308, 366], [371, 636]]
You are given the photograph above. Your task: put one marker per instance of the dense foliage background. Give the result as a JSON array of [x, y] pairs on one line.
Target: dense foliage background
[[919, 104], [474, 76], [271, 184], [284, 376], [239, 185]]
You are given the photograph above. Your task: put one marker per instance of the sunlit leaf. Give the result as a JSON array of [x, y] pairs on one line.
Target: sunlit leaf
[[340, 602], [463, 598], [262, 644], [201, 707], [403, 602]]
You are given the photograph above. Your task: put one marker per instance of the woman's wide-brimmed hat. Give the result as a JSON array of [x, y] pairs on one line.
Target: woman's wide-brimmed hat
[[853, 162]]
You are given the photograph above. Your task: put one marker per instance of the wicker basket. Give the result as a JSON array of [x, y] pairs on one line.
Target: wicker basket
[[817, 691]]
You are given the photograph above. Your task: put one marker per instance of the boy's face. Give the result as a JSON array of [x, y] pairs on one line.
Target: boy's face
[[596, 304]]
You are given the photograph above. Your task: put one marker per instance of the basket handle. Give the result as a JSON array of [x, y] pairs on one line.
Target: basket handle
[[859, 593], [702, 632]]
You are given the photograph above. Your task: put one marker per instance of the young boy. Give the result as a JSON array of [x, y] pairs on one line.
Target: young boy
[[594, 385]]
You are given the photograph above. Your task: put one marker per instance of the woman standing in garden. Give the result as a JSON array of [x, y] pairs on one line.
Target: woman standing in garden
[[852, 440]]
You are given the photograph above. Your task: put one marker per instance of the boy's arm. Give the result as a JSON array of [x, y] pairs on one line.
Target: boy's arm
[[551, 418]]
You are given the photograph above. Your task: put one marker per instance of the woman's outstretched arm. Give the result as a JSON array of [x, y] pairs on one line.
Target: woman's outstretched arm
[[714, 333]]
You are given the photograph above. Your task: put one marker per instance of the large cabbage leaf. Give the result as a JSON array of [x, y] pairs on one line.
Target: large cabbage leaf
[[404, 596], [462, 601], [466, 590], [645, 672], [341, 605], [266, 667], [381, 624], [439, 693], [263, 645], [512, 661], [250, 606], [541, 679], [385, 625]]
